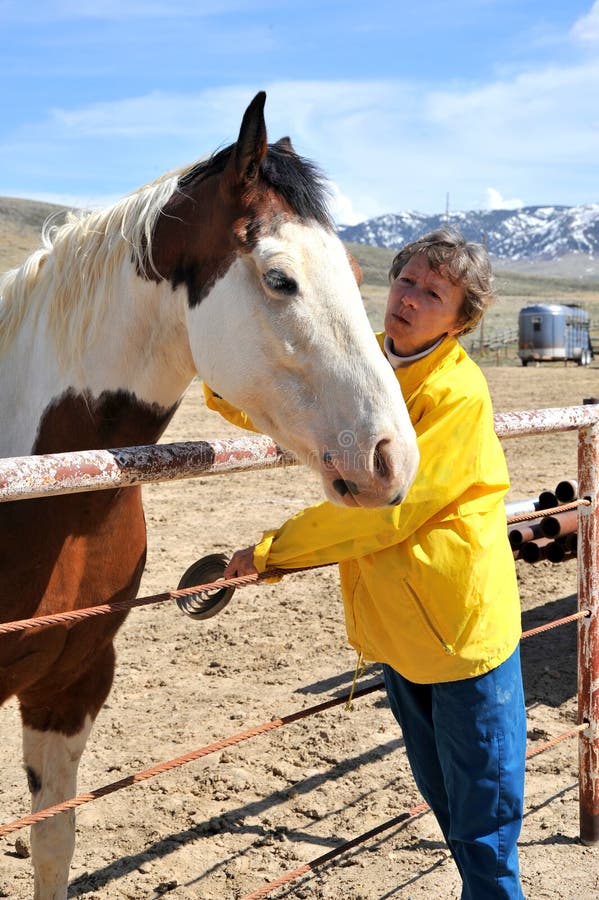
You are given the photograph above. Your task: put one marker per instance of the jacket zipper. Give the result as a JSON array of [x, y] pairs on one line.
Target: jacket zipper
[[447, 647]]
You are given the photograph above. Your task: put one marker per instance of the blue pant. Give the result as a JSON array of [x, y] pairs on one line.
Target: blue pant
[[466, 744]]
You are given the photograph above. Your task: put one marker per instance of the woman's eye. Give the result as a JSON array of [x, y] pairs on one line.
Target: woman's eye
[[276, 280]]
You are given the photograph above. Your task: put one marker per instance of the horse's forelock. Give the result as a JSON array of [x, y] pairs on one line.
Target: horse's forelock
[[299, 181]]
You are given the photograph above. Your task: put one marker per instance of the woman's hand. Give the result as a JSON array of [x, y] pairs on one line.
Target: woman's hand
[[242, 563]]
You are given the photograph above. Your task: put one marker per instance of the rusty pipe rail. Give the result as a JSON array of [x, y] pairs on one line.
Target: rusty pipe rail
[[544, 421], [27, 477]]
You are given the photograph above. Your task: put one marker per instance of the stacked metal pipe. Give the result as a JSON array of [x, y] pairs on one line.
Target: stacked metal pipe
[[549, 535]]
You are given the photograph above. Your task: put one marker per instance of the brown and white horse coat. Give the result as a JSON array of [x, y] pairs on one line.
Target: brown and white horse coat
[[230, 270]]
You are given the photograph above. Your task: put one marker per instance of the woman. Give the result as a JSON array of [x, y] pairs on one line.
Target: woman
[[429, 586]]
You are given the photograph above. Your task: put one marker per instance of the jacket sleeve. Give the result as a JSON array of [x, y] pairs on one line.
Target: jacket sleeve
[[230, 413], [462, 468]]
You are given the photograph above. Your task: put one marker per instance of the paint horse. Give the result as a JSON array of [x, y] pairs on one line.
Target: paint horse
[[229, 269]]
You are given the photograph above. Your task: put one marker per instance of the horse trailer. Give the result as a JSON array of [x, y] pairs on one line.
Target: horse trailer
[[554, 332]]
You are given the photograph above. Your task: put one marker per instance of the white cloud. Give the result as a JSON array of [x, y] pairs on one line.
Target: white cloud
[[586, 29], [496, 201], [342, 208], [386, 145], [535, 131], [157, 113]]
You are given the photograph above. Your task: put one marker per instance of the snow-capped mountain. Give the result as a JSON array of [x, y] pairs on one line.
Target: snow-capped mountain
[[549, 232]]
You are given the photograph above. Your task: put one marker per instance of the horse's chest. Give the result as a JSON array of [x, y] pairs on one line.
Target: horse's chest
[[61, 554], [68, 552]]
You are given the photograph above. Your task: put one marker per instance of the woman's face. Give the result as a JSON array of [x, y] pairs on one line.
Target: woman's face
[[423, 305]]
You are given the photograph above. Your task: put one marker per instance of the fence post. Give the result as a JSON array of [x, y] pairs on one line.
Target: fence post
[[588, 633]]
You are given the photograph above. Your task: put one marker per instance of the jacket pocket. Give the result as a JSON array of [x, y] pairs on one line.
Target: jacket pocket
[[450, 646]]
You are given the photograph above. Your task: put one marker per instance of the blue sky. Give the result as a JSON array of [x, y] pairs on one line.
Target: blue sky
[[494, 102]]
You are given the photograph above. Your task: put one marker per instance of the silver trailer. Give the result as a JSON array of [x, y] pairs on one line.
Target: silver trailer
[[554, 331]]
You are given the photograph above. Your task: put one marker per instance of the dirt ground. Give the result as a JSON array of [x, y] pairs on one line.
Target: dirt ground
[[223, 826]]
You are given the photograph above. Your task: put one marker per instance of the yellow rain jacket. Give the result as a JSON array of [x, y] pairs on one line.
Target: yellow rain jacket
[[429, 586]]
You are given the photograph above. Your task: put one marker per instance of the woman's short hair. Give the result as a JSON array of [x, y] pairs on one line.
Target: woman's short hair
[[463, 262]]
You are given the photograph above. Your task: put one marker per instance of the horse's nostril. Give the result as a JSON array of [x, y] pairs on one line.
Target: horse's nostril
[[343, 487], [380, 460]]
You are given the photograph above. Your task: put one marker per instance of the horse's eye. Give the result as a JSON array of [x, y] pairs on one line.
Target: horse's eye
[[276, 280]]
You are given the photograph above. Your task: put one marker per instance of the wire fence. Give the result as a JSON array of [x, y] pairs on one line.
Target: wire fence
[[586, 420]]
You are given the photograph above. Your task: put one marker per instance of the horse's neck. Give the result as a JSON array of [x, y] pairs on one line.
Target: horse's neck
[[119, 388], [141, 345]]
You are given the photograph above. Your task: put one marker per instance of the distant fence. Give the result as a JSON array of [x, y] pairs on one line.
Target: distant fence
[[493, 339]]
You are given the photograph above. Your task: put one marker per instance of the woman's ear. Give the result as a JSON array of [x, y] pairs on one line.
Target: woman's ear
[[462, 322], [457, 329]]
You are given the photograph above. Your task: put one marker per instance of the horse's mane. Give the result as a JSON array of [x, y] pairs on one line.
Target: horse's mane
[[77, 261], [295, 178], [72, 273]]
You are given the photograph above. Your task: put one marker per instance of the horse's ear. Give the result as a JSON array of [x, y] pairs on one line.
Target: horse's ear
[[251, 145], [285, 144]]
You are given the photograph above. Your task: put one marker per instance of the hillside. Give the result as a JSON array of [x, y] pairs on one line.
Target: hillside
[[20, 226], [517, 283], [531, 234]]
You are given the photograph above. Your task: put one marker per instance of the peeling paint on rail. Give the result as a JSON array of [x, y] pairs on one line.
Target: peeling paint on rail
[[541, 421], [26, 477]]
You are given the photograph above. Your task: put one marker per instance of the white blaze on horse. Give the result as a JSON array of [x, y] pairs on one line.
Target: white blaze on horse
[[229, 269]]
